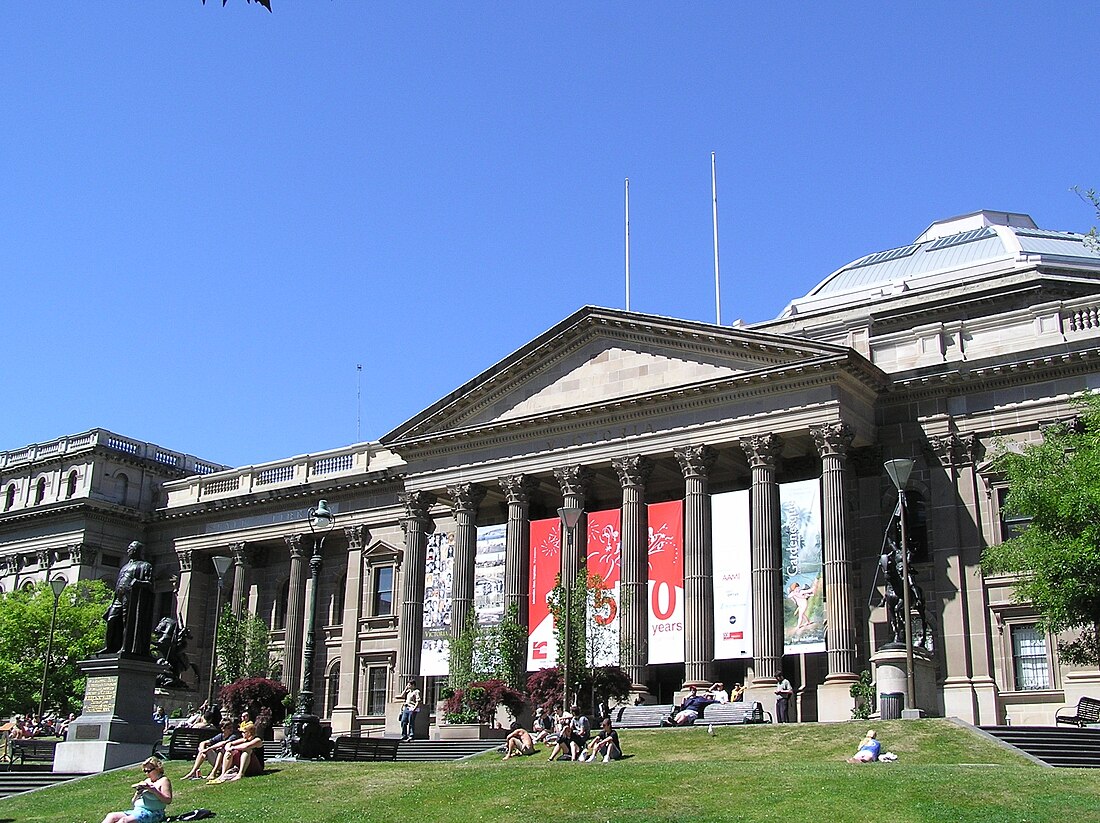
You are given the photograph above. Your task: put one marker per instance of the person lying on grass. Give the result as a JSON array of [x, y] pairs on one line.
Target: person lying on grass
[[244, 757], [869, 747], [151, 796]]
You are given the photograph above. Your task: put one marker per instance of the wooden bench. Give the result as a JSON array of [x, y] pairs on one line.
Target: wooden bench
[[32, 751], [365, 748], [184, 744], [1088, 712], [734, 714], [641, 717]]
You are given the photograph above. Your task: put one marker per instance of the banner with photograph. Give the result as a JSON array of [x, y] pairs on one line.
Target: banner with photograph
[[666, 582], [803, 569], [604, 561], [730, 527], [439, 568], [542, 648], [489, 574]]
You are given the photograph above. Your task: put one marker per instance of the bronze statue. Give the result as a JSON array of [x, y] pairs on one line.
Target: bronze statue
[[892, 569], [129, 618], [170, 641]]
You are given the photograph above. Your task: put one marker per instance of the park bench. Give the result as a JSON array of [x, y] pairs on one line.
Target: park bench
[[32, 751], [1088, 713], [734, 714], [365, 748], [184, 744], [641, 717]]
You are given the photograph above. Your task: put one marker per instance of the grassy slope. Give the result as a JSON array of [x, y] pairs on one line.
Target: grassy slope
[[794, 774]]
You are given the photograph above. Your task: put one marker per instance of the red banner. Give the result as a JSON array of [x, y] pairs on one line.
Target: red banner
[[542, 649], [666, 582]]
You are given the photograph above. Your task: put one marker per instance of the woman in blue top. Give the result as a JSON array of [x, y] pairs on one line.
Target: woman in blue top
[[869, 747], [151, 796]]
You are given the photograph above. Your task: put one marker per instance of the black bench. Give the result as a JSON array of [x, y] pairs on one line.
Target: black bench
[[365, 748], [32, 751], [184, 744], [1088, 712], [734, 714]]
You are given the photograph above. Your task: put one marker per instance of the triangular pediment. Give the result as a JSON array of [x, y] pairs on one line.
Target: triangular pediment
[[599, 356]]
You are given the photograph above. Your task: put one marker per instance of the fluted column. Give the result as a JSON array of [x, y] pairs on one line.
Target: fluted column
[[466, 498], [763, 452], [417, 525], [633, 474], [833, 441], [696, 463], [292, 664], [183, 586], [518, 489], [242, 558], [345, 712], [574, 481]]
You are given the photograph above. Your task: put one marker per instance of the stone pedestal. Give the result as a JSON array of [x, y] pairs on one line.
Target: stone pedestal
[[889, 662], [116, 726], [834, 698]]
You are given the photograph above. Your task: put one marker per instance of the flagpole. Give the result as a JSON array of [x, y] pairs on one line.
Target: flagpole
[[358, 399], [714, 204], [627, 230]]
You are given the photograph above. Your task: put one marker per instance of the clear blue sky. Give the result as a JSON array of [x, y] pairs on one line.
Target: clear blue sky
[[209, 216]]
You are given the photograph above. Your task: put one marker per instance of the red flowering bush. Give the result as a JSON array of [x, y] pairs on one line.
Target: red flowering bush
[[478, 702], [255, 695]]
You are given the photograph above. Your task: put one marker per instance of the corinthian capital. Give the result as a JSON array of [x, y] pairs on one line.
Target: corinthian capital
[[954, 449], [696, 461], [573, 479], [518, 488], [633, 470], [183, 557], [466, 496], [418, 505], [357, 536], [832, 439], [763, 450], [294, 545]]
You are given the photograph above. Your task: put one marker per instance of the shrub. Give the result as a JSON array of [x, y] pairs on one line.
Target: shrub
[[255, 695], [478, 702]]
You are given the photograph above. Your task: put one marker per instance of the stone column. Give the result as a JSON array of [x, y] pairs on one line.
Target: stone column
[[834, 702], [696, 463], [466, 498], [763, 452], [292, 647], [242, 558], [633, 474], [417, 525], [183, 589], [574, 481], [518, 489], [345, 713]]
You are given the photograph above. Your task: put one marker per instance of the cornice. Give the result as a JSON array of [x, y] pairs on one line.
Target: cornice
[[86, 507]]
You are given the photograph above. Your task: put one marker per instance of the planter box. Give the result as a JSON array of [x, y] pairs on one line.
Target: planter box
[[469, 731]]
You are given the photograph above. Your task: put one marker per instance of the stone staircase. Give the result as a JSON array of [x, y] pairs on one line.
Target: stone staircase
[[1062, 747], [25, 779]]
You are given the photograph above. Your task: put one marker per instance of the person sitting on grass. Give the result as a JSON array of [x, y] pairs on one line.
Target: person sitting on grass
[[869, 747], [564, 744], [244, 757], [518, 742], [605, 743], [212, 750], [151, 796], [542, 725]]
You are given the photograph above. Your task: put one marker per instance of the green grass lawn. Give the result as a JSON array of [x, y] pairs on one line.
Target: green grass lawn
[[794, 774]]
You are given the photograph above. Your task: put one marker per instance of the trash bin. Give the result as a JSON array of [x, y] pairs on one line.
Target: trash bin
[[890, 705]]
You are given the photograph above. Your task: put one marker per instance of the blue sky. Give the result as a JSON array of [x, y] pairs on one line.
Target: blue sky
[[210, 215]]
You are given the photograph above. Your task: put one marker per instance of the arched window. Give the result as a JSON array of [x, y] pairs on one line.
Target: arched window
[[333, 688], [278, 617], [70, 486], [122, 483], [27, 585], [40, 490], [336, 605], [9, 497]]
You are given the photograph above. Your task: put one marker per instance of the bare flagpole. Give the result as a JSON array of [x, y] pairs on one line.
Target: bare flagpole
[[714, 204], [358, 399], [627, 196]]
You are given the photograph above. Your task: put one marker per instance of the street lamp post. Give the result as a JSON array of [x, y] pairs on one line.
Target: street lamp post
[[899, 471], [57, 585], [221, 566], [570, 517]]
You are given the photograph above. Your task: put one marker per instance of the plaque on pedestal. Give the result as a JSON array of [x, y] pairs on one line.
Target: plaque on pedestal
[[116, 726]]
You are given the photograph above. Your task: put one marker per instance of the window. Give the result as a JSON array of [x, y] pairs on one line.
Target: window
[[9, 497], [1011, 524], [333, 690], [376, 690], [70, 486], [382, 604], [122, 485], [40, 490], [278, 618], [336, 605], [1029, 658]]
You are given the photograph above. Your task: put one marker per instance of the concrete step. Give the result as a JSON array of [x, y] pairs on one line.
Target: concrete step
[[1060, 747], [16, 782]]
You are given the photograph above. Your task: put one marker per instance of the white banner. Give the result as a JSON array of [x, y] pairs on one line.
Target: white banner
[[439, 568], [803, 570], [489, 574], [732, 575]]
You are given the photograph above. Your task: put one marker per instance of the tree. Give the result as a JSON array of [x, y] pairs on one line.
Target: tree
[[255, 695], [242, 647], [1056, 483], [24, 634], [496, 652], [1092, 240]]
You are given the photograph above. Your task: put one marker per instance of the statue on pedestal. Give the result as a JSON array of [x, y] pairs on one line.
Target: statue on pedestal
[[129, 618], [170, 641], [891, 566]]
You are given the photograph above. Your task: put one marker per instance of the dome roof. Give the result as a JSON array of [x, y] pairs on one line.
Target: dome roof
[[947, 251]]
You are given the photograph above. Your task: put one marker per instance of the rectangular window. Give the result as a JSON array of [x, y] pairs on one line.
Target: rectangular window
[[376, 691], [1029, 658], [383, 592], [1011, 525]]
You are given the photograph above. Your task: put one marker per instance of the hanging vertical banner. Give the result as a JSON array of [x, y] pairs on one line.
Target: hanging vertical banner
[[489, 574], [803, 569], [604, 561], [438, 573], [542, 651], [730, 527], [666, 582]]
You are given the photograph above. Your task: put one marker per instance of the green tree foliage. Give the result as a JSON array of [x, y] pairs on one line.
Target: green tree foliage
[[242, 647], [1093, 199], [1057, 556], [24, 633], [496, 652]]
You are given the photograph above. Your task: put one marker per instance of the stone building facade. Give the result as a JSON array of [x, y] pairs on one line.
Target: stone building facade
[[975, 335]]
